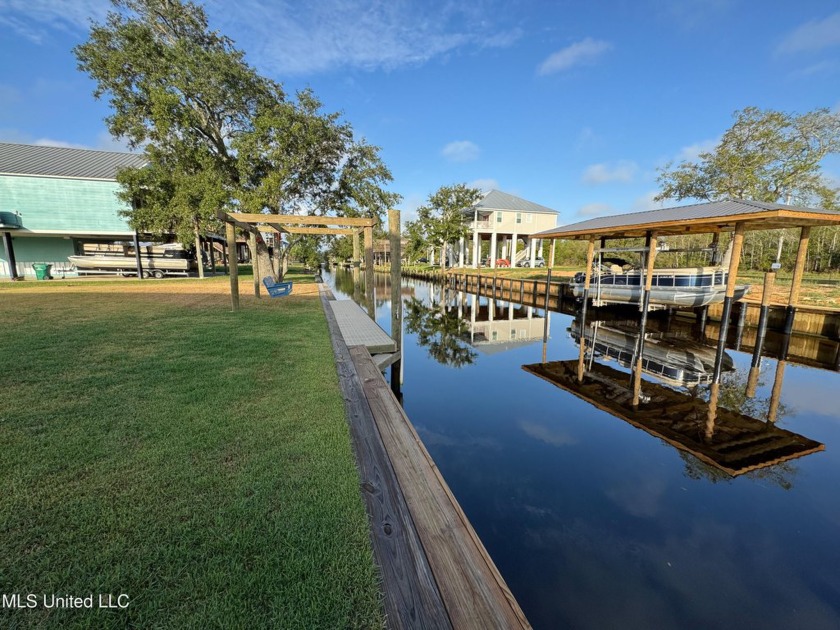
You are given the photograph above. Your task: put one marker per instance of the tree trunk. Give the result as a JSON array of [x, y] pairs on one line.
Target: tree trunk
[[262, 257], [199, 254]]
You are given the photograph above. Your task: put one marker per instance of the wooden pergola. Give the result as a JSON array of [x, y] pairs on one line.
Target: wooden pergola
[[253, 223]]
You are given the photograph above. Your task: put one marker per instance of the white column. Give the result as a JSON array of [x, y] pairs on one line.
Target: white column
[[504, 248], [461, 252], [493, 250], [476, 248], [513, 250], [533, 244], [541, 248]]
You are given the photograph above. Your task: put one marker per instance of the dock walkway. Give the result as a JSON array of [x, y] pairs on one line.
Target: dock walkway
[[435, 571]]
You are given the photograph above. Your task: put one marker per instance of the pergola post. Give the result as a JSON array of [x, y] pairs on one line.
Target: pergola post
[[255, 263], [796, 281], [732, 278], [369, 272], [551, 255], [356, 263], [230, 233], [396, 270]]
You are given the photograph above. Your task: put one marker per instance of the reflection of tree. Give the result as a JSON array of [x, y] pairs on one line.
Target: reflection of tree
[[733, 396], [440, 330], [778, 474], [343, 281]]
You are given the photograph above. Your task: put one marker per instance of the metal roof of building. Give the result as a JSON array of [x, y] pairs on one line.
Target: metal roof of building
[[498, 200], [35, 160], [697, 218]]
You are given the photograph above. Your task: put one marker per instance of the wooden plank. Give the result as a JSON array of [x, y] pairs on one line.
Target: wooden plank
[[233, 266], [227, 218], [293, 219], [255, 263], [473, 590], [318, 230], [410, 593]]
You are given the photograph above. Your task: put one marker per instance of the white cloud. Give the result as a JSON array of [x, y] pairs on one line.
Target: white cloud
[[460, 151], [813, 35], [34, 18], [553, 436], [622, 171], [692, 152], [595, 209], [583, 52], [103, 141], [587, 138], [646, 202], [314, 36], [323, 35], [486, 184]]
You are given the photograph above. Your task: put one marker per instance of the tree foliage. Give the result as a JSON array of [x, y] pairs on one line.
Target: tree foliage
[[766, 156], [442, 221], [217, 134]]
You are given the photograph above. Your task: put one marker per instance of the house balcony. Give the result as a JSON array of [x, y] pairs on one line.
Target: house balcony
[[480, 225]]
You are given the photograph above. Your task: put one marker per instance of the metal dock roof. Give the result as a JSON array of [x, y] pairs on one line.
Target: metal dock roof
[[707, 217]]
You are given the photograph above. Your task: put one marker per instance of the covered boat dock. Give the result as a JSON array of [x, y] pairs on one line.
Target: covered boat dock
[[736, 216]]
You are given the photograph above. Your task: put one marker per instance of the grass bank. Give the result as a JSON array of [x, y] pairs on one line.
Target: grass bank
[[154, 444]]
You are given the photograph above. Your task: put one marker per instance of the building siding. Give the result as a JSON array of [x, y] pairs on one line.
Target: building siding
[[56, 205]]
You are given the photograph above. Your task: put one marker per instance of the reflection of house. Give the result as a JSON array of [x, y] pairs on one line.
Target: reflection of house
[[505, 220], [496, 327], [62, 198], [727, 440]]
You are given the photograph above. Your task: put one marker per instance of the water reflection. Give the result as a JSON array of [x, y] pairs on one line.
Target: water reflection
[[439, 329], [686, 403], [595, 524]]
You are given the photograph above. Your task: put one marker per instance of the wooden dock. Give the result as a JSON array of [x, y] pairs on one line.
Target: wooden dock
[[358, 329], [435, 571]]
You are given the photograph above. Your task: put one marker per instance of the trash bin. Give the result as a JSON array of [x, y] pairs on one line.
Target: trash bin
[[42, 271]]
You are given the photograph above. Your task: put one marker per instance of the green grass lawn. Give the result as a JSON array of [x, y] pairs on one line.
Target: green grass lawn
[[194, 459]]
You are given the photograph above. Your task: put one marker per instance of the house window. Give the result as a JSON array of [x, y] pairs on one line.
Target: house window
[[498, 217], [519, 217], [529, 217], [513, 333], [494, 335]]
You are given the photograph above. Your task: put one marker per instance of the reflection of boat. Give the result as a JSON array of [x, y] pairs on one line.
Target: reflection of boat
[[672, 360], [156, 260], [728, 440]]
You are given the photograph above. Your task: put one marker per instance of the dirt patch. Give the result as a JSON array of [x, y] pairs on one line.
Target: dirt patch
[[208, 292]]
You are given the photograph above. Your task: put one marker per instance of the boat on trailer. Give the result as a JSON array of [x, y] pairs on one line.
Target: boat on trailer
[[157, 261], [615, 281]]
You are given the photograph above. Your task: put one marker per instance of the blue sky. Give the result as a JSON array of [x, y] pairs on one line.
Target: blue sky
[[572, 105]]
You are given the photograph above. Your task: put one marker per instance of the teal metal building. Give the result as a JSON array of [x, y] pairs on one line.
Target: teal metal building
[[53, 200]]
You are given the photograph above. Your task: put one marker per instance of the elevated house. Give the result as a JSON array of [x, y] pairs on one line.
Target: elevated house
[[510, 224], [54, 200]]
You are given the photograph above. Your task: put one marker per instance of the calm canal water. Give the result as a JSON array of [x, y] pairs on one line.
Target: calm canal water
[[595, 522]]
